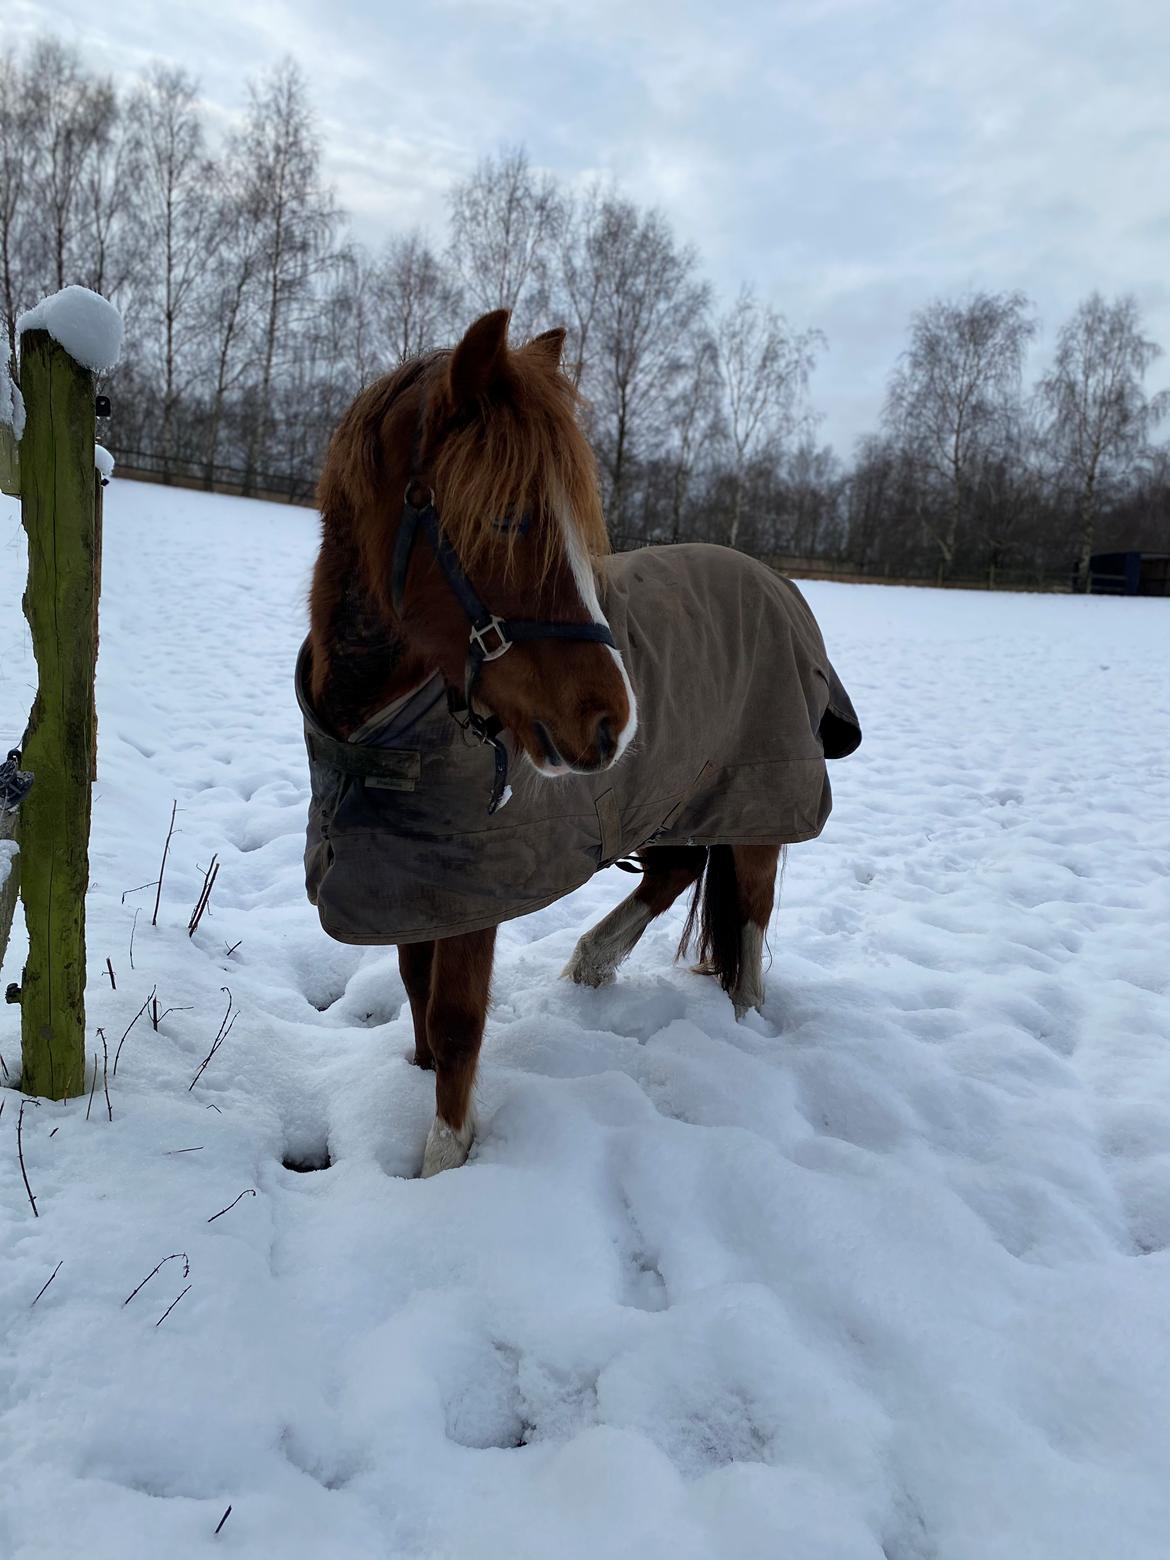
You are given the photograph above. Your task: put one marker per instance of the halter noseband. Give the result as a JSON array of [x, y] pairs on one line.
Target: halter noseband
[[490, 636]]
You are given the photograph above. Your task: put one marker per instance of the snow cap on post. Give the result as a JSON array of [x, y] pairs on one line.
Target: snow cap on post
[[83, 322]]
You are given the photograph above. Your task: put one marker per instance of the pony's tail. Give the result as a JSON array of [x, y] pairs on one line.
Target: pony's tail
[[714, 916]]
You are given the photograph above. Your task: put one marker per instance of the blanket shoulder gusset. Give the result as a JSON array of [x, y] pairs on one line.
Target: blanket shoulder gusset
[[738, 709]]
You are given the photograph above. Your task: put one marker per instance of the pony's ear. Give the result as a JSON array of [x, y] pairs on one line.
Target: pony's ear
[[548, 345], [478, 361]]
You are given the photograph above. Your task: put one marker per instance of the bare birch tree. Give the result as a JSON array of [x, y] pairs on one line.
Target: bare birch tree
[[648, 301], [765, 368], [278, 158], [693, 423], [173, 212], [71, 116], [1099, 414], [505, 220], [949, 393], [16, 178], [417, 297]]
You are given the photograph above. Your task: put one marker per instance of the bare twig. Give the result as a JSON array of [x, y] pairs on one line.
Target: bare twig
[[169, 1151], [4, 1064], [54, 1133], [163, 867], [130, 1026], [47, 1282], [248, 1192], [106, 1074], [204, 895], [93, 1085], [166, 1011], [222, 1520], [172, 1306], [20, 1154], [133, 929], [173, 1257], [230, 951], [127, 892], [225, 1029], [110, 973]]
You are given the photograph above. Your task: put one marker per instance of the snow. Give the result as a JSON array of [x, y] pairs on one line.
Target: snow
[[8, 851], [12, 413], [880, 1273], [103, 463], [86, 325]]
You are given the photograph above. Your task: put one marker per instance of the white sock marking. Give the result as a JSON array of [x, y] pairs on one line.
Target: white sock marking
[[598, 954], [447, 1148], [748, 991]]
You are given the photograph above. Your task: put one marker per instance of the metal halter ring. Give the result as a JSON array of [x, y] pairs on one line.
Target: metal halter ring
[[479, 644]]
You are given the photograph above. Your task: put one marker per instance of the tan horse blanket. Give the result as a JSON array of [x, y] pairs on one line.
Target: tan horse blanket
[[738, 709]]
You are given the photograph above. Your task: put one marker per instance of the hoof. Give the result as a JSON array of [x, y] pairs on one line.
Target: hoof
[[586, 970], [746, 1001], [447, 1148]]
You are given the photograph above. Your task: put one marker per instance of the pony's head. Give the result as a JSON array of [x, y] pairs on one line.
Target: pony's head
[[492, 436]]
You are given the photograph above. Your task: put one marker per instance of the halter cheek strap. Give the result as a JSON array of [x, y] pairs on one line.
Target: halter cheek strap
[[489, 637]]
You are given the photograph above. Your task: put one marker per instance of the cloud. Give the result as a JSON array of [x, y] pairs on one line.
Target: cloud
[[851, 157]]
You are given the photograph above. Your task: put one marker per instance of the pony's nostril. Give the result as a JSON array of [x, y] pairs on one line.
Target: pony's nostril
[[551, 751], [606, 741]]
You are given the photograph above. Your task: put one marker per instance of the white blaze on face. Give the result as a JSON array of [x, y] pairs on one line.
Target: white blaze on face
[[587, 590]]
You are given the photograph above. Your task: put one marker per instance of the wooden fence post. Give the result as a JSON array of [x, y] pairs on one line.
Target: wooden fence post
[[58, 511]]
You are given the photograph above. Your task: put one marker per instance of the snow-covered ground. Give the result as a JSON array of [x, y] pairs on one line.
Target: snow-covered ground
[[880, 1274]]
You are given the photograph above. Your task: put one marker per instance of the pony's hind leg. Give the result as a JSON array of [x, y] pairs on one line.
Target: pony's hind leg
[[755, 882], [461, 975], [668, 871], [732, 908]]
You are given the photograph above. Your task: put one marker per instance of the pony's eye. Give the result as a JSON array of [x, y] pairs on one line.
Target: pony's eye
[[520, 524]]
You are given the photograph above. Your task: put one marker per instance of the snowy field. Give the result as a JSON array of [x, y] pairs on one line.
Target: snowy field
[[882, 1273]]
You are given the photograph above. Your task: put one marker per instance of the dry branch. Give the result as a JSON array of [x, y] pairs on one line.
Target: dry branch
[[249, 1191], [47, 1282], [173, 1256], [20, 1154], [106, 1074], [93, 1085], [172, 1306], [225, 1029], [163, 867], [130, 1026], [204, 895]]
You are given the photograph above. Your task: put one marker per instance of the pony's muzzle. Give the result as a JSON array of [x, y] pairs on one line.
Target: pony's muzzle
[[593, 749]]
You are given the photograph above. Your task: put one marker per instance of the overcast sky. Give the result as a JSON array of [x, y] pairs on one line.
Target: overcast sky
[[851, 158]]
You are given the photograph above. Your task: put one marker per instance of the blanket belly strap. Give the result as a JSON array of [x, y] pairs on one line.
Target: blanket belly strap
[[384, 769]]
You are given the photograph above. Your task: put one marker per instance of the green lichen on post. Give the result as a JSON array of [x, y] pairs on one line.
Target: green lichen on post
[[57, 505]]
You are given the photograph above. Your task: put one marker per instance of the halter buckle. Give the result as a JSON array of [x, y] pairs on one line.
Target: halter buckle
[[494, 625]]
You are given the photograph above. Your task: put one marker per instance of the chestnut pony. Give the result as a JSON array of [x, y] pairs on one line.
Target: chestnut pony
[[488, 438]]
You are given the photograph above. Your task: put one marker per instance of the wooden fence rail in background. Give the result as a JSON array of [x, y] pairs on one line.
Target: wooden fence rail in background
[[300, 489]]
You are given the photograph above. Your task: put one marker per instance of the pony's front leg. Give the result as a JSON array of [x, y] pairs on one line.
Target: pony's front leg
[[415, 962], [461, 978], [668, 871]]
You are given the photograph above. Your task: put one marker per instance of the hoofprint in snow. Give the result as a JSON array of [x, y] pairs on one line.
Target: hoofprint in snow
[[881, 1272]]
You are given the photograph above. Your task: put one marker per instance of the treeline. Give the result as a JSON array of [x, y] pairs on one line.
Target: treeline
[[252, 318]]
